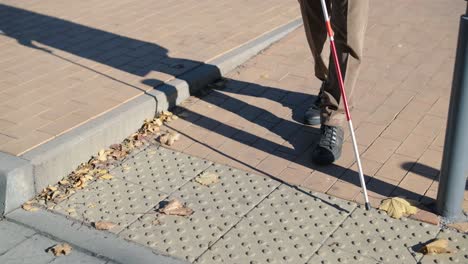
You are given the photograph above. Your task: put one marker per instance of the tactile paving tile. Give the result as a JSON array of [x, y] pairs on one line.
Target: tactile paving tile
[[236, 193], [112, 200], [333, 255], [183, 237], [303, 213], [375, 235], [251, 242], [457, 242], [160, 168]]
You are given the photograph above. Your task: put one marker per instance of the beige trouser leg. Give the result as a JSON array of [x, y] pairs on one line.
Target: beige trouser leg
[[349, 22]]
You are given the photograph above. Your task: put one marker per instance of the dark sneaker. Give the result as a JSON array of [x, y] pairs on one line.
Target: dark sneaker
[[312, 115], [328, 149]]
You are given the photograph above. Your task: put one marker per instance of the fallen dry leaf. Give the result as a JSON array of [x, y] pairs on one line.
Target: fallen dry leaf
[[169, 138], [439, 246], [116, 146], [104, 225], [207, 178], [102, 156], [29, 207], [64, 182], [397, 207], [175, 207], [106, 177], [61, 249]]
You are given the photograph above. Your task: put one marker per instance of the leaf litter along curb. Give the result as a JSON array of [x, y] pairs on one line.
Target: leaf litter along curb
[[97, 168]]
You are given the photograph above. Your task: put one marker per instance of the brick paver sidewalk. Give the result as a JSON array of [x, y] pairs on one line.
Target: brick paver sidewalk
[[65, 62], [254, 122]]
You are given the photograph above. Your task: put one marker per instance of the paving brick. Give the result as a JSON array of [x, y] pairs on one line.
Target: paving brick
[[383, 115], [293, 176], [368, 133], [415, 145], [381, 149], [396, 167], [344, 190], [429, 164], [18, 146], [414, 111], [399, 130], [273, 165], [319, 181], [430, 126]]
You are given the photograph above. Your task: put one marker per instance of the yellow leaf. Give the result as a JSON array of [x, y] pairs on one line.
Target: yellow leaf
[[81, 171], [439, 246], [101, 171], [397, 207], [54, 194], [29, 207], [64, 182], [102, 156], [158, 122], [61, 249], [52, 188], [106, 177]]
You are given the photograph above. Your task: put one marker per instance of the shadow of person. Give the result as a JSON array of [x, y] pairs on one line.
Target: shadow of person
[[50, 34], [141, 58]]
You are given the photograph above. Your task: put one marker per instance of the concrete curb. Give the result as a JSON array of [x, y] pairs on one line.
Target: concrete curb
[[100, 243], [16, 182], [58, 157]]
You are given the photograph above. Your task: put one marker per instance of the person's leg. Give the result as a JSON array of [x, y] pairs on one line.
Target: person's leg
[[349, 22], [316, 34]]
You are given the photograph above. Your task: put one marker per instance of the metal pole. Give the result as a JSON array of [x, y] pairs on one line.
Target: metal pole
[[454, 169]]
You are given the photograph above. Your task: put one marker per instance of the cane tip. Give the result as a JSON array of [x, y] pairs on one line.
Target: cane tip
[[368, 207]]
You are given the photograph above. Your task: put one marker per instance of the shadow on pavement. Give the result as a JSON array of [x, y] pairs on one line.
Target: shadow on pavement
[[140, 58]]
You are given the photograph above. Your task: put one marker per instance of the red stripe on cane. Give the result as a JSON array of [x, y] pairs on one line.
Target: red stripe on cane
[[329, 29]]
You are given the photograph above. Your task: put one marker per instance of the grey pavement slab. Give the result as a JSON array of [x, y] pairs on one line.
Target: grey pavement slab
[[457, 242], [182, 237], [375, 235], [243, 218], [99, 243], [12, 234], [236, 193], [312, 216], [252, 242], [34, 251], [113, 200], [161, 169], [333, 255]]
